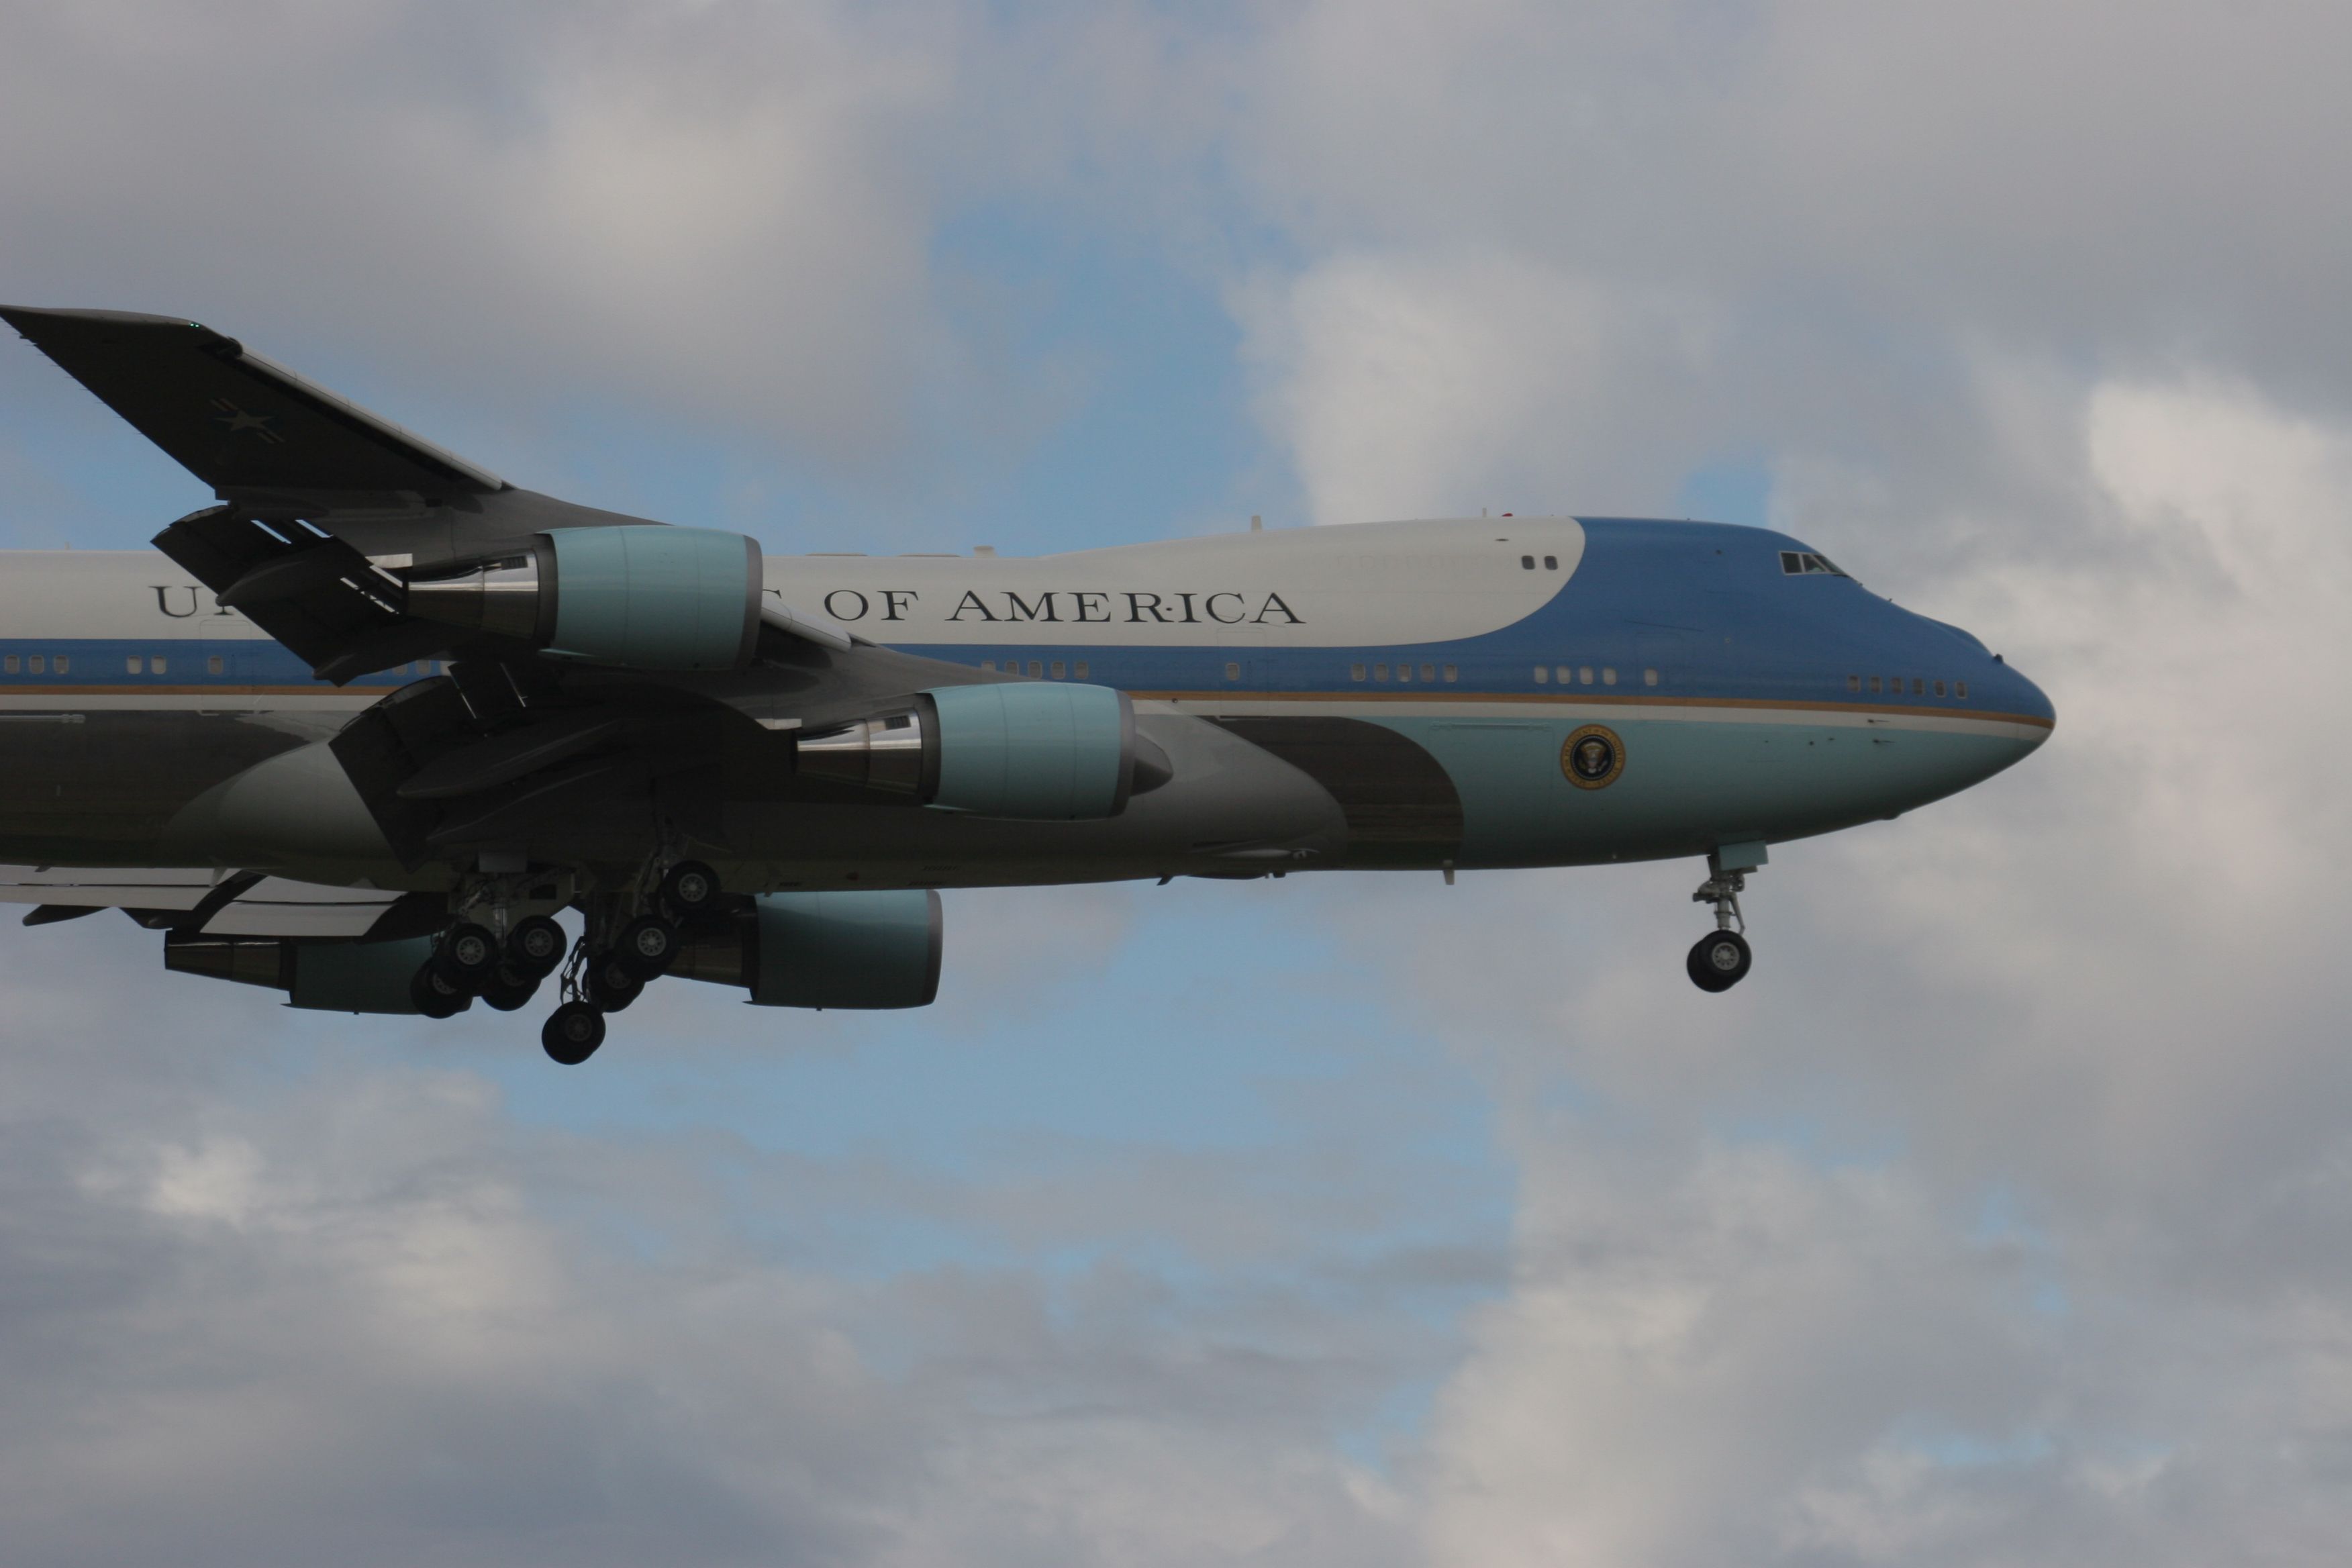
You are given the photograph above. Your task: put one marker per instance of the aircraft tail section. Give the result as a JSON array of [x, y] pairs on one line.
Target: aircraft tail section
[[245, 425]]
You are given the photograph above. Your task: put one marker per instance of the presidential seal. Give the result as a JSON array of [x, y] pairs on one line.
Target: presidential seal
[[1592, 757]]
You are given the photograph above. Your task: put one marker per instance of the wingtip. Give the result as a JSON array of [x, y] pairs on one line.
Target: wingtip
[[23, 318]]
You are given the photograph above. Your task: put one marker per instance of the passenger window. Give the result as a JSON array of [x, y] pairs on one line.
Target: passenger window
[[64, 664], [1853, 683], [1543, 676], [1561, 674], [133, 662], [1355, 672], [1232, 672], [1035, 670], [1609, 675], [1404, 672], [1584, 674], [1082, 669], [1527, 562], [36, 663], [8, 665], [156, 664], [1939, 688], [1649, 677], [1429, 672], [1450, 673], [988, 664], [216, 664], [1874, 686], [1960, 689], [1551, 562], [1918, 686]]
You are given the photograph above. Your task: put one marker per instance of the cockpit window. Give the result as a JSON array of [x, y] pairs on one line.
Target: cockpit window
[[1808, 563]]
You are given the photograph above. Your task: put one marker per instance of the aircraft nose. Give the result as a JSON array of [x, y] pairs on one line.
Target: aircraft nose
[[2011, 693]]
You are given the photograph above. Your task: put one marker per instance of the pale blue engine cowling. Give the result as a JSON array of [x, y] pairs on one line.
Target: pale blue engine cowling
[[641, 597], [1040, 753], [325, 977], [870, 948], [656, 599], [1033, 751]]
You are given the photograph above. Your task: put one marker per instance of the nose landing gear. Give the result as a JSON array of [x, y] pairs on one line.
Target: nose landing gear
[[1721, 961]]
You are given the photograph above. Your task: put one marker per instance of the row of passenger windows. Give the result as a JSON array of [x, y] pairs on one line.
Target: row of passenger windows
[[217, 664], [1891, 685], [1581, 675], [62, 664], [1038, 668]]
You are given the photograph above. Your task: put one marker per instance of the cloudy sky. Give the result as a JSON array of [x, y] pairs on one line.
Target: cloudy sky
[[2004, 1216]]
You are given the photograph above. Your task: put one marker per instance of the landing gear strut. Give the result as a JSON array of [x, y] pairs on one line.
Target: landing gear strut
[[625, 945], [1721, 961]]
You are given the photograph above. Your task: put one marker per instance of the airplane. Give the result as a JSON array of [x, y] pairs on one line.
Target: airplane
[[361, 727]]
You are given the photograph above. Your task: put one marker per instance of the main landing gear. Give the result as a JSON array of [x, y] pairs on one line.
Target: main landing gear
[[621, 951], [632, 936], [1720, 961], [472, 961]]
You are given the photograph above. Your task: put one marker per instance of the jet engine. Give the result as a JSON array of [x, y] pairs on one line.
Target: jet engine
[[867, 949], [645, 596], [328, 976], [1040, 753]]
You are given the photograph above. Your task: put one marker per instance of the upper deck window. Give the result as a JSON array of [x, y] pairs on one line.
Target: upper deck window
[[1808, 563]]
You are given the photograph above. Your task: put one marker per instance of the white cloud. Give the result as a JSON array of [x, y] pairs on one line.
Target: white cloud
[[1422, 388]]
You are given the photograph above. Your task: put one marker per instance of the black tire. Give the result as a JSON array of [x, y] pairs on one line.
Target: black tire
[[536, 946], [609, 983], [1719, 961], [647, 946], [689, 888], [509, 992], [571, 1033], [468, 956], [433, 996]]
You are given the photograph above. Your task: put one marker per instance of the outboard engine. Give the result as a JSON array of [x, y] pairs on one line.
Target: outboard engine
[[1039, 753]]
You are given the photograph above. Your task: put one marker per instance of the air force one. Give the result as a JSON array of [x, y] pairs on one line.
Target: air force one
[[369, 722]]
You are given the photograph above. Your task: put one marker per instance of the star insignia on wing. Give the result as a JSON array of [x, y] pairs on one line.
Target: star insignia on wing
[[234, 419]]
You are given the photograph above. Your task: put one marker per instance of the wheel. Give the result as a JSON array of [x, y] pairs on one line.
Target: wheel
[[467, 957], [571, 1033], [1719, 962], [536, 946], [508, 992], [610, 984], [647, 944], [688, 887], [433, 996]]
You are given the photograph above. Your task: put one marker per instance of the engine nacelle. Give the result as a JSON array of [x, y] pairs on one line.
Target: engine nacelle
[[1046, 753], [875, 947], [643, 596], [329, 976]]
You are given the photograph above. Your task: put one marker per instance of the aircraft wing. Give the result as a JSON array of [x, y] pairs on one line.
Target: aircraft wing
[[327, 510], [237, 421], [218, 903]]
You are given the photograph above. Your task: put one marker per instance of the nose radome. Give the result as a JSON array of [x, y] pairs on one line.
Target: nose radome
[[2024, 698]]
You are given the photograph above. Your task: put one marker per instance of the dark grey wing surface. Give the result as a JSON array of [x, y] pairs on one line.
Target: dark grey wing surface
[[240, 423], [327, 511]]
